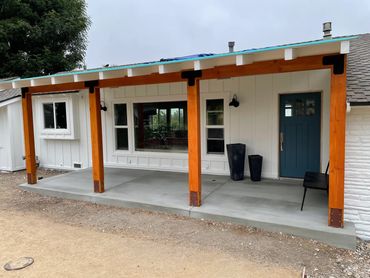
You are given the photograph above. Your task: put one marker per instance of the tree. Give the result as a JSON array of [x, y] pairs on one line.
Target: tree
[[41, 37]]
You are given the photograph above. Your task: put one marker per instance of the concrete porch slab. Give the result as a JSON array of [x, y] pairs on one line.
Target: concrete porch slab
[[271, 205]]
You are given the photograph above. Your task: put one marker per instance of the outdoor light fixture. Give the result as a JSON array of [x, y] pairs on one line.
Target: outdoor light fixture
[[103, 107], [234, 102]]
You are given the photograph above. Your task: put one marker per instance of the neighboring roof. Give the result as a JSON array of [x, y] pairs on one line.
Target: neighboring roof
[[9, 93], [358, 70]]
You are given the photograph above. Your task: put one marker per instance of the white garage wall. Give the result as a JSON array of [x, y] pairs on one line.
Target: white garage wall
[[16, 138], [357, 173], [5, 161]]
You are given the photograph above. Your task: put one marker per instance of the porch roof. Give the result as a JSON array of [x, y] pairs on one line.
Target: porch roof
[[192, 62]]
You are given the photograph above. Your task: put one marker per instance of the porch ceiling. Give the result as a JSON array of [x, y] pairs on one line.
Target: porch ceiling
[[195, 62]]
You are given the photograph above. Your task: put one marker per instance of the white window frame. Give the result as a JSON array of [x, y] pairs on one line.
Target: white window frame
[[49, 133], [127, 126], [224, 96]]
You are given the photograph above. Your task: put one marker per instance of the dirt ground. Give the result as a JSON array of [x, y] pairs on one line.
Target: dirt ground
[[78, 239]]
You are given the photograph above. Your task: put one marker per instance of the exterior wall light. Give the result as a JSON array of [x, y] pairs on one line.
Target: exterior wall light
[[103, 107], [234, 102]]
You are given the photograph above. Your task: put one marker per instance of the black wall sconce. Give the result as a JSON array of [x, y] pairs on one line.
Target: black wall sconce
[[103, 107], [234, 102]]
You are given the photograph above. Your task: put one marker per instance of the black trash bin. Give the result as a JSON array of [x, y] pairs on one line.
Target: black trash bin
[[255, 167], [236, 156]]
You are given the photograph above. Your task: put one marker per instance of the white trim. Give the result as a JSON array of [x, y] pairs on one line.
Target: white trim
[[204, 98], [10, 101]]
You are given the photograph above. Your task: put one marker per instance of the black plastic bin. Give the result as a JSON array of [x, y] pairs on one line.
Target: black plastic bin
[[255, 167], [236, 156]]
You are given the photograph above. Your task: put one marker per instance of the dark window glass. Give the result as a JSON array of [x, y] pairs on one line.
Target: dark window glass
[[215, 133], [120, 114], [215, 140], [60, 115], [215, 146], [215, 112], [161, 126], [121, 139], [48, 115]]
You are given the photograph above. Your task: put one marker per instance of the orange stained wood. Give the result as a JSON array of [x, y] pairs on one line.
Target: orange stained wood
[[194, 153], [29, 141], [337, 147], [264, 67], [96, 140]]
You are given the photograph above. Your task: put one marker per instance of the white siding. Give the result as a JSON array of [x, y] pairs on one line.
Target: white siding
[[15, 120], [11, 136], [61, 152], [255, 122], [5, 159], [357, 173]]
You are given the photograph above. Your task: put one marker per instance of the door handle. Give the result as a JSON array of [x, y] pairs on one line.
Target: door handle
[[281, 141]]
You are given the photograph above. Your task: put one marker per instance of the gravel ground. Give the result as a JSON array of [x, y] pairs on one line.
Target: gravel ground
[[271, 249]]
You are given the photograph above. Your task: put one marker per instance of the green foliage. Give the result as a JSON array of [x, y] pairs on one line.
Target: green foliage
[[41, 37]]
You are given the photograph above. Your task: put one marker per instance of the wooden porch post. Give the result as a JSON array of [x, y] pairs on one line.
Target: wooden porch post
[[29, 140], [96, 137], [194, 153], [337, 141]]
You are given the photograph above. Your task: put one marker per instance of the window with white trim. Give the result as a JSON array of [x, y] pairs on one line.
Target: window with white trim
[[120, 126], [215, 126], [55, 115]]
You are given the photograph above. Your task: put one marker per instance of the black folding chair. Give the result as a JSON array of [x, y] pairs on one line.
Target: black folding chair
[[314, 180]]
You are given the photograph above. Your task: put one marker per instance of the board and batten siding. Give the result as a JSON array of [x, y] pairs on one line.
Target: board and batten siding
[[11, 136], [357, 173], [255, 122]]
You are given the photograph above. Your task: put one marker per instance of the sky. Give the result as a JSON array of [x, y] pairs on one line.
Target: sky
[[131, 31]]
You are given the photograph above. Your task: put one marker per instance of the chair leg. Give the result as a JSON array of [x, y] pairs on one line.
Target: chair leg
[[304, 196]]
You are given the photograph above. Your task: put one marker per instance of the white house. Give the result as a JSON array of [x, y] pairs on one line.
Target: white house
[[285, 115]]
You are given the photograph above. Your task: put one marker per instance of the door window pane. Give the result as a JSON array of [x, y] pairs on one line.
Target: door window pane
[[310, 107], [120, 114], [48, 115], [299, 107], [60, 115], [121, 139]]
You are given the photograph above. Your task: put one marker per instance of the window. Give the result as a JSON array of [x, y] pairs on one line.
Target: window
[[215, 126], [161, 126], [55, 115], [120, 126]]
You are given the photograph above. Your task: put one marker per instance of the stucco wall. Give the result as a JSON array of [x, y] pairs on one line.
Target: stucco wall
[[357, 173]]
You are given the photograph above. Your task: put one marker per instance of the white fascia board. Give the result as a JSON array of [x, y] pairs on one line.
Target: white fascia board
[[41, 81], [5, 86], [168, 68], [10, 101], [241, 60], [290, 54], [16, 84], [344, 47], [204, 64], [62, 79]]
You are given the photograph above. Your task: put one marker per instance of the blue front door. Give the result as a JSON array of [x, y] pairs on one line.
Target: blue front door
[[300, 121]]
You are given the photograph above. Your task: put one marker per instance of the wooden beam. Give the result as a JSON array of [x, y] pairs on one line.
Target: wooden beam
[[96, 139], [337, 147], [29, 141], [219, 72], [194, 153]]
